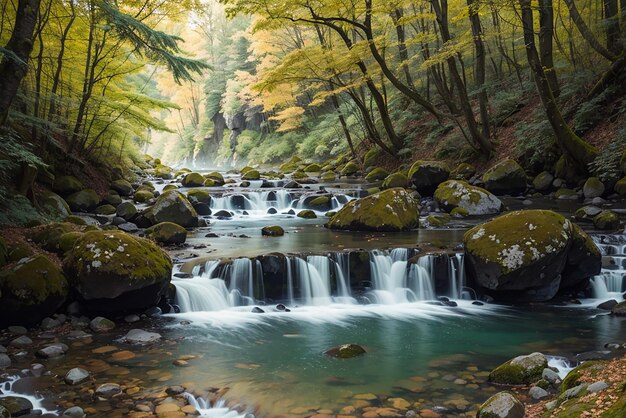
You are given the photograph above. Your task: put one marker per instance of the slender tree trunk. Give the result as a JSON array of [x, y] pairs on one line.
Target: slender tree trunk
[[546, 35], [586, 32], [396, 15], [479, 75], [576, 151], [612, 26], [14, 68]]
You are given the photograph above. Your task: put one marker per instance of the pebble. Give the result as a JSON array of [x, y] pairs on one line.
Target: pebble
[[74, 412], [37, 369], [101, 324], [49, 323], [174, 390], [17, 330], [76, 375], [108, 390], [22, 341], [5, 361], [131, 318], [180, 363], [597, 386], [123, 355], [551, 376], [537, 393], [52, 351], [139, 336]]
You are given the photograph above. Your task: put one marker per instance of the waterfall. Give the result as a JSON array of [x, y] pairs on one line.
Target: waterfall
[[258, 202], [341, 262], [611, 281], [314, 287], [202, 294], [217, 410], [38, 408]]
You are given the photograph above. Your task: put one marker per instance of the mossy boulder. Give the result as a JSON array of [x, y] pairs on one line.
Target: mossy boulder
[[566, 194], [199, 195], [593, 187], [31, 290], [619, 309], [390, 210], [522, 370], [83, 201], [584, 259], [506, 177], [620, 187], [395, 180], [521, 256], [377, 174], [427, 175], [122, 187], [463, 171], [370, 157], [76, 220], [272, 231], [251, 175], [543, 181], [193, 180], [143, 196], [328, 176], [172, 206], [47, 236], [321, 203], [459, 194], [126, 210], [313, 168], [459, 212], [217, 177], [112, 271], [163, 172], [167, 233], [438, 220], [112, 198], [105, 210], [170, 187], [66, 185], [54, 206], [501, 405], [306, 214], [345, 351], [586, 213], [606, 220], [299, 175], [68, 240], [350, 169], [209, 183], [288, 168]]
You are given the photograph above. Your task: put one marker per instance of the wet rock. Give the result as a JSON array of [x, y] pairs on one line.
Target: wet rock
[[521, 370], [587, 213], [345, 351], [76, 376], [16, 405], [306, 214], [272, 211], [52, 351], [543, 181], [17, 330], [537, 393], [550, 376], [167, 233], [597, 386], [501, 405], [608, 305], [37, 369], [273, 231], [174, 390], [506, 177], [256, 309], [619, 309], [573, 392], [74, 412], [5, 361], [139, 336], [193, 180], [101, 324], [21, 342], [83, 201], [427, 175], [593, 188], [606, 220], [128, 227], [222, 214], [49, 323], [108, 390], [202, 209], [173, 206]]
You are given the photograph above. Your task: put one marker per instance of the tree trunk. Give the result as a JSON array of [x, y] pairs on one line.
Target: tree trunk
[[612, 26], [586, 32], [57, 72], [576, 151], [396, 15], [480, 65], [13, 68], [546, 34]]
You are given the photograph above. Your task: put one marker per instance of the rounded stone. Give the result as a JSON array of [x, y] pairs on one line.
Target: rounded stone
[[76, 376]]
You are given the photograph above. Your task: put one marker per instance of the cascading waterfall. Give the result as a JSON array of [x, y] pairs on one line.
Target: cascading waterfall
[[610, 283], [218, 410], [319, 280]]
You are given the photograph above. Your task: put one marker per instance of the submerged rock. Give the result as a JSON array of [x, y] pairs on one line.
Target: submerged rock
[[501, 405], [506, 177], [139, 336], [108, 390], [31, 290], [389, 210], [521, 370], [345, 351], [112, 271], [459, 194]]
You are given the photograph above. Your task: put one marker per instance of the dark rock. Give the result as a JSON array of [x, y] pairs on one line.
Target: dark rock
[[345, 351], [256, 309], [222, 214], [101, 324], [608, 305], [272, 231], [108, 390], [16, 405]]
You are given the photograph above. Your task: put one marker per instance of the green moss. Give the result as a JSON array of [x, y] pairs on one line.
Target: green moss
[[397, 179], [245, 170], [373, 190], [19, 251], [170, 187], [143, 196], [32, 281], [463, 171], [76, 220], [83, 201], [515, 372], [68, 240], [47, 236], [105, 210], [216, 177], [350, 169], [438, 220], [320, 201], [377, 174], [307, 214], [66, 185], [418, 165], [288, 168], [505, 240], [313, 168], [617, 409], [210, 183], [370, 157], [573, 377], [459, 212], [328, 176], [193, 180], [390, 210], [457, 193], [505, 177], [251, 175], [163, 172], [167, 233], [606, 220], [202, 196], [298, 175], [272, 231]]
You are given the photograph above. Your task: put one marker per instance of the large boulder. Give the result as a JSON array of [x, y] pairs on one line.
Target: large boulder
[[112, 271], [377, 174], [593, 187], [31, 290], [397, 179], [83, 201], [193, 180], [427, 175], [54, 206], [543, 181], [620, 187], [251, 175], [506, 177], [66, 185], [389, 210], [477, 201], [167, 233], [123, 187], [525, 255], [172, 206], [521, 370], [501, 405], [48, 236]]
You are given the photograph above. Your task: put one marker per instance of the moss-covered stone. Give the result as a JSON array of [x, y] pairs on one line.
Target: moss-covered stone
[[519, 255], [373, 190], [126, 210], [167, 233], [245, 170], [390, 210], [521, 370], [506, 177], [112, 271], [306, 214], [543, 181], [313, 168], [47, 236], [438, 220], [210, 183], [272, 231], [199, 195], [30, 290], [573, 377], [123, 187], [75, 220], [68, 240], [288, 168], [299, 175], [83, 201], [216, 177], [463, 171], [593, 187], [427, 175], [345, 351], [328, 176], [19, 251], [370, 157], [320, 202], [112, 198], [586, 213], [66, 185], [105, 210], [143, 196], [193, 180], [164, 172], [501, 405], [397, 179], [172, 206], [170, 187], [459, 212], [566, 194], [349, 169], [54, 206], [606, 220], [377, 174], [251, 175], [620, 187], [477, 201], [619, 309]]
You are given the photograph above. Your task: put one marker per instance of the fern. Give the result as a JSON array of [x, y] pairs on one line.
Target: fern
[[606, 166]]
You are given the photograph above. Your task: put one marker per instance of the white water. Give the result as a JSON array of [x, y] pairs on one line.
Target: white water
[[563, 365], [218, 410], [6, 389], [611, 282]]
